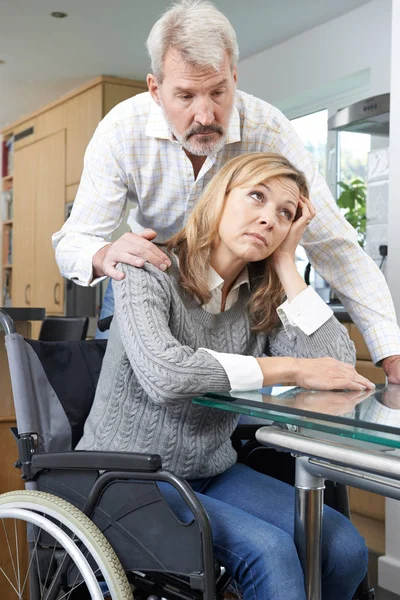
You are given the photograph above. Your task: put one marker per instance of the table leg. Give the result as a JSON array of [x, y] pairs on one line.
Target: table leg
[[309, 499]]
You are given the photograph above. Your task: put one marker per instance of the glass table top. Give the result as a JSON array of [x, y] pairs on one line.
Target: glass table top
[[372, 416]]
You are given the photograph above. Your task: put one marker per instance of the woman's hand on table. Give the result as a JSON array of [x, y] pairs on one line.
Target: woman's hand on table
[[329, 374]]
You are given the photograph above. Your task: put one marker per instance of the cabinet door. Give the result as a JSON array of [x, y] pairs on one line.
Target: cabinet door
[[23, 227], [83, 114], [49, 217]]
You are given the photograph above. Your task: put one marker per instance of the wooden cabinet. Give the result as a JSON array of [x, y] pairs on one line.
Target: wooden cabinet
[[48, 152], [39, 211], [24, 212]]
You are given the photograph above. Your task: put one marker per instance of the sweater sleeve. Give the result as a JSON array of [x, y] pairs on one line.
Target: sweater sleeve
[[166, 369], [331, 339]]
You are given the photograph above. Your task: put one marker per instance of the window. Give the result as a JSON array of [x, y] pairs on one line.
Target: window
[[353, 149], [313, 131]]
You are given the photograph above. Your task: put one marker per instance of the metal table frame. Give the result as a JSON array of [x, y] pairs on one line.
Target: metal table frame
[[317, 460]]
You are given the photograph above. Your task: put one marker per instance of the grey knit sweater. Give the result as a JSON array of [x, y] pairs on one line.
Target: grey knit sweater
[[153, 368]]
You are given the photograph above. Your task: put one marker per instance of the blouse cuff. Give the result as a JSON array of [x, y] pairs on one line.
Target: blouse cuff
[[307, 311], [244, 372]]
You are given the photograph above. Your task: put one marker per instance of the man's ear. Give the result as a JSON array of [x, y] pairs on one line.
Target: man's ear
[[235, 75], [153, 87]]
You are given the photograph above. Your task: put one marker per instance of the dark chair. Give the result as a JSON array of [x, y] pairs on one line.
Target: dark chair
[[64, 329]]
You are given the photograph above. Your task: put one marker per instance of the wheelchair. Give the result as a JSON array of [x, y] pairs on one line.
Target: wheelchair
[[96, 524]]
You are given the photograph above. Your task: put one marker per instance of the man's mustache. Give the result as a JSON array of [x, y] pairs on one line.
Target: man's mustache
[[204, 129]]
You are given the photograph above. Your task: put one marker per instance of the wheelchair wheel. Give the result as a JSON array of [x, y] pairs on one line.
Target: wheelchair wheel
[[68, 556]]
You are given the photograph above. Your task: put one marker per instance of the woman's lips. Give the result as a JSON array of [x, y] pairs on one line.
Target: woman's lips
[[259, 239]]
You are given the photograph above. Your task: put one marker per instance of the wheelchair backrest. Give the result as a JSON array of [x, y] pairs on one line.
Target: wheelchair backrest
[[54, 384]]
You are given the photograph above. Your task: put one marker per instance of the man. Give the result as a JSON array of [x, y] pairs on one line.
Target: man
[[161, 148]]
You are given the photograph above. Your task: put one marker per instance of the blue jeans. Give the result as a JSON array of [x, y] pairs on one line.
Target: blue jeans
[[107, 309], [252, 520]]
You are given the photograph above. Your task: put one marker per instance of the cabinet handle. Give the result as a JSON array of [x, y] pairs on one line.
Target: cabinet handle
[[56, 293], [27, 300]]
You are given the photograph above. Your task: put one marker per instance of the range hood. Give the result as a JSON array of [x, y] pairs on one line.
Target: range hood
[[367, 116]]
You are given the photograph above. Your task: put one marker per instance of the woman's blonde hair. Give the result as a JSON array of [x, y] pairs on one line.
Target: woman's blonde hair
[[193, 244]]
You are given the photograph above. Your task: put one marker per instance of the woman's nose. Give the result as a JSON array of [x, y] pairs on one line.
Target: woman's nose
[[267, 218]]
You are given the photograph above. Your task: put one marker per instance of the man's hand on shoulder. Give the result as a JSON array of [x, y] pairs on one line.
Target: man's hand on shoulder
[[391, 366], [131, 249]]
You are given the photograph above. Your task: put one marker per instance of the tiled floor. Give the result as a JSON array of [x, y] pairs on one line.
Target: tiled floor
[[380, 594]]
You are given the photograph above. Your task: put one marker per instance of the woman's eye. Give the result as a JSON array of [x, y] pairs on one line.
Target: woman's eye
[[287, 214], [257, 196]]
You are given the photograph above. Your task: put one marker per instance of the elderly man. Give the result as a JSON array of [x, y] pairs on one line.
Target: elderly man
[[162, 147]]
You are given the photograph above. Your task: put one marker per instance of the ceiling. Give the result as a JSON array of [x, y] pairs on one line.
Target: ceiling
[[47, 57]]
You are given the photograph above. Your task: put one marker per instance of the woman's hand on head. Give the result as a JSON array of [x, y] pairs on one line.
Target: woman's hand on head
[[286, 251], [329, 374]]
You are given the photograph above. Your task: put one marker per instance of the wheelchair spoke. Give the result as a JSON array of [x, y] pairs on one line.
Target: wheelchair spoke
[[10, 553], [10, 582], [38, 574], [32, 553], [17, 552]]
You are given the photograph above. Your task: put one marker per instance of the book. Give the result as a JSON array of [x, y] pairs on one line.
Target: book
[[7, 205], [10, 155], [7, 288]]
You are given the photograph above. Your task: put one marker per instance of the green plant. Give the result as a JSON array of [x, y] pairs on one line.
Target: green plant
[[353, 201]]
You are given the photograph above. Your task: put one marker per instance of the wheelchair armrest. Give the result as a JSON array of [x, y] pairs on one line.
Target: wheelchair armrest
[[80, 459]]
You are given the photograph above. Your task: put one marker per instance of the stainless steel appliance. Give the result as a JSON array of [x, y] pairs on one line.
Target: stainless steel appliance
[[367, 116]]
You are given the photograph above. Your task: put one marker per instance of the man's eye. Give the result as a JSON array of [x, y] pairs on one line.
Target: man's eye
[[218, 93], [257, 196], [186, 97]]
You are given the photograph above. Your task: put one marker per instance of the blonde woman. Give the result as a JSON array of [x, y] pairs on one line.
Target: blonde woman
[[231, 295]]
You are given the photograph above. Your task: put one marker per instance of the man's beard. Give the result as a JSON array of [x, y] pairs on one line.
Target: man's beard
[[206, 145]]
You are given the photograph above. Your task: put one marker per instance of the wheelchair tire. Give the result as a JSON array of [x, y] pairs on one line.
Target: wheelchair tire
[[53, 516]]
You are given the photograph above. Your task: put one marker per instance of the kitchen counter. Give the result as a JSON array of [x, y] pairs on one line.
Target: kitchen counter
[[25, 313]]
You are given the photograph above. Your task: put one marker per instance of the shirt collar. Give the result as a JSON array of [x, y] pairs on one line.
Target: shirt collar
[[215, 281], [157, 126]]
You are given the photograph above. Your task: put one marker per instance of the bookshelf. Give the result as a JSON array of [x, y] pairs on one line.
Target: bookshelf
[[7, 214]]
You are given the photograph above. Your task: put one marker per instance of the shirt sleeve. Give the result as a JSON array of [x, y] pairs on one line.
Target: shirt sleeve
[[244, 372], [307, 311], [332, 247], [99, 205]]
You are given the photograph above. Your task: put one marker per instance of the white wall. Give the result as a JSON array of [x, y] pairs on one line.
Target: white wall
[[389, 565], [325, 63]]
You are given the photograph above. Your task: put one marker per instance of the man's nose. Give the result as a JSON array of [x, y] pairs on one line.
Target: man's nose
[[204, 111]]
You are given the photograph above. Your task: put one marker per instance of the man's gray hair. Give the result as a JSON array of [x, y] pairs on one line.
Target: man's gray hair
[[196, 29]]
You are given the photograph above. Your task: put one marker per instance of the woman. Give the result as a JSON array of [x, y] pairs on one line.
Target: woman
[[203, 326]]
